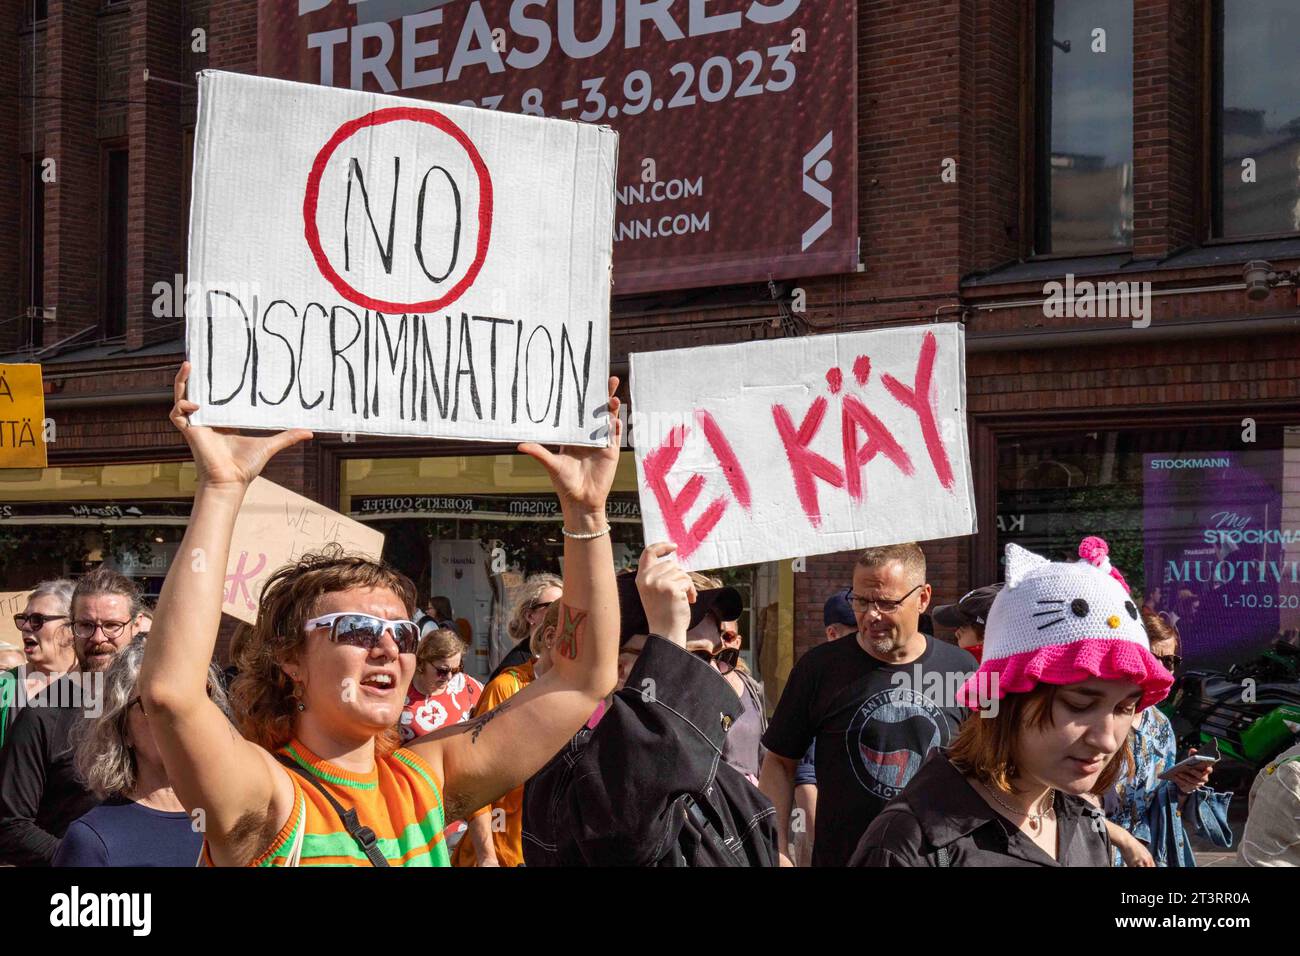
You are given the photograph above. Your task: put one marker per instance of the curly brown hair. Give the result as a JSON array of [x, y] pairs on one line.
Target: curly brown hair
[[262, 695]]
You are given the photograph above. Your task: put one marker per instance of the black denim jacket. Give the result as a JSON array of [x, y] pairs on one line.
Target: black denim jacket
[[939, 820], [647, 786]]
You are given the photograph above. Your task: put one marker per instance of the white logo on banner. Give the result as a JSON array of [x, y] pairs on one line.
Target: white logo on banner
[[821, 168]]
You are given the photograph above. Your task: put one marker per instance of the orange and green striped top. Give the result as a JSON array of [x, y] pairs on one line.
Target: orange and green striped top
[[400, 799]]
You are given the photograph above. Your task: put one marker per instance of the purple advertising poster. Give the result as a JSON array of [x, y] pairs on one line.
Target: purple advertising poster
[[1215, 552]]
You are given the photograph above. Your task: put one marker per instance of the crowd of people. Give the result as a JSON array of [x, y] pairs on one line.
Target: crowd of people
[[622, 728]]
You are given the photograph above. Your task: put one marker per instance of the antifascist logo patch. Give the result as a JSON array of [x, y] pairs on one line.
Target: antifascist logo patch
[[889, 737]]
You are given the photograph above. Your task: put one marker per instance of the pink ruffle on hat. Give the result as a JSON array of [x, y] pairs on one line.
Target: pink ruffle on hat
[[1062, 623]]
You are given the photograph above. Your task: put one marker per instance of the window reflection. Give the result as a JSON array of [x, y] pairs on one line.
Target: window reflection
[[1085, 126], [1257, 117], [1202, 525]]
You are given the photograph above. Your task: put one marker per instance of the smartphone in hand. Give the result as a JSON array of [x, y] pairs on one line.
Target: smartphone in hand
[[1209, 754]]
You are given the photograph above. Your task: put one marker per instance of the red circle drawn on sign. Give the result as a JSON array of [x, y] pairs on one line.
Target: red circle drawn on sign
[[378, 117]]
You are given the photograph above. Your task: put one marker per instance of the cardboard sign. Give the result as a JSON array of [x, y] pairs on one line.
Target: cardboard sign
[[771, 450], [370, 264], [11, 603], [22, 417], [276, 527]]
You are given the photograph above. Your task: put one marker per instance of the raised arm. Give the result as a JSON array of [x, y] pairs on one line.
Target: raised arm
[[210, 766], [492, 754]]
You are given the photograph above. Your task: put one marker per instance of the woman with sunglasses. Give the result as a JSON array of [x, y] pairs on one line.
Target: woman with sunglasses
[[536, 594], [441, 693], [316, 777], [47, 646], [141, 821], [1147, 815]]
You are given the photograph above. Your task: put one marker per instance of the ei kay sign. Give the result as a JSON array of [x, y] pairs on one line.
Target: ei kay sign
[[804, 446], [369, 264]]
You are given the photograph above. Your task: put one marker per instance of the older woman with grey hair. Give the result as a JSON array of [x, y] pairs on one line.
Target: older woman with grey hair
[[141, 822], [46, 648]]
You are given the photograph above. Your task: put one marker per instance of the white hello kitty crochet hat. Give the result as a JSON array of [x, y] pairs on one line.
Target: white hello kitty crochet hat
[[1061, 623]]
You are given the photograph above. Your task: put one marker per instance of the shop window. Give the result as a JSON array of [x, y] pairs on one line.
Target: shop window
[[1084, 127], [1256, 119], [59, 522], [1204, 527], [116, 168]]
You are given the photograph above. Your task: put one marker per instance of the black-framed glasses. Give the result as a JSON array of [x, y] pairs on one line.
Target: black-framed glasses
[[85, 630], [366, 630], [724, 660], [445, 672], [883, 605], [36, 621], [1171, 662]]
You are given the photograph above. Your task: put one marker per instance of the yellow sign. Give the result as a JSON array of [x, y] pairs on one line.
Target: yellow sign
[[22, 417]]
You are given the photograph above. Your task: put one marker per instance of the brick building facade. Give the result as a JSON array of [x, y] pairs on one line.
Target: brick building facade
[[950, 80]]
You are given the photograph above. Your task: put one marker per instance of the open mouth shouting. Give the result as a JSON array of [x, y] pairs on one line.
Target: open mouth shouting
[[380, 683]]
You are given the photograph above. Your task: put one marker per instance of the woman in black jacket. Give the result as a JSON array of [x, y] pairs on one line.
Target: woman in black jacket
[[645, 783], [1066, 669]]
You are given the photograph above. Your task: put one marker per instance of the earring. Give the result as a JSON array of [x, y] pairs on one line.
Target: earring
[[297, 696]]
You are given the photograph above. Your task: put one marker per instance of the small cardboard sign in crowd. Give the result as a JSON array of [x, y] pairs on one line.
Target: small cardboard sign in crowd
[[276, 527], [11, 603]]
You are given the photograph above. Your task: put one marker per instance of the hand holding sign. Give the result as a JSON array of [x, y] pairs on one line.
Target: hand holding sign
[[222, 456], [583, 476], [667, 592]]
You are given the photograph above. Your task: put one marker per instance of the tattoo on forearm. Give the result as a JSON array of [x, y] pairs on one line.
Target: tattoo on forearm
[[478, 723], [573, 625]]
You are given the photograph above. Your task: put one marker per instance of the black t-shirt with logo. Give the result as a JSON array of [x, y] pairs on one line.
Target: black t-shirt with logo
[[873, 724]]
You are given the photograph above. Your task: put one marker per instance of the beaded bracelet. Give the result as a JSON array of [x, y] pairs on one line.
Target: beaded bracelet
[[582, 536]]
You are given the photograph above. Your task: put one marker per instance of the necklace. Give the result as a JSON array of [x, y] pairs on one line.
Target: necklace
[[1035, 820]]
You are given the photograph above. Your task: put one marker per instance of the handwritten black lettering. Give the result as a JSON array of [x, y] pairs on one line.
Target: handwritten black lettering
[[212, 364], [385, 252]]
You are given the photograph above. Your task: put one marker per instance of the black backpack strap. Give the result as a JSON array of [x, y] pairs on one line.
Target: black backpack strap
[[364, 836]]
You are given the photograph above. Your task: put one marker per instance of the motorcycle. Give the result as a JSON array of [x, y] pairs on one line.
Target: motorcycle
[[1251, 712]]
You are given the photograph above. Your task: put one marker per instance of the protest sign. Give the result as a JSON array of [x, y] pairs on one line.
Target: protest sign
[[771, 450], [369, 264], [276, 527], [22, 417], [11, 603]]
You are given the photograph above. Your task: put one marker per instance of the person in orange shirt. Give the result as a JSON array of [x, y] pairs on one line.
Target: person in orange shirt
[[495, 832]]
